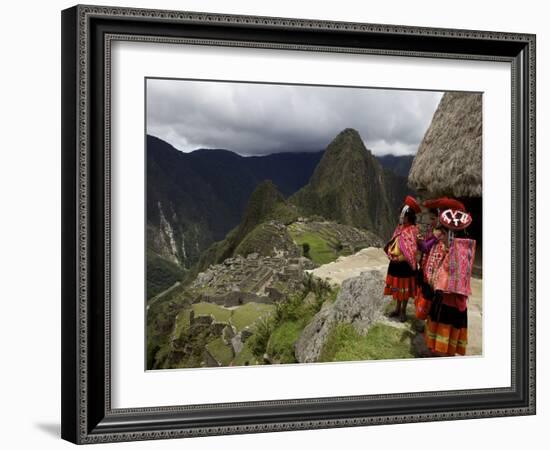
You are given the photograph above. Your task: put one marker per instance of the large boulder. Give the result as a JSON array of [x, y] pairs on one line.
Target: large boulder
[[360, 302]]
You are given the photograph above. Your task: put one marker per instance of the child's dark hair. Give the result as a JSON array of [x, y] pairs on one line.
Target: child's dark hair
[[410, 215]]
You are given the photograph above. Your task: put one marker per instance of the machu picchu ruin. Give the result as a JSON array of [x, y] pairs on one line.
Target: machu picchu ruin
[[240, 280]]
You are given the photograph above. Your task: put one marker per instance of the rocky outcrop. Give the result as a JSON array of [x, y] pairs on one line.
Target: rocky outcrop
[[360, 303]]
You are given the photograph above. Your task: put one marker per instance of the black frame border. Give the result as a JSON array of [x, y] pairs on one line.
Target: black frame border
[[87, 32]]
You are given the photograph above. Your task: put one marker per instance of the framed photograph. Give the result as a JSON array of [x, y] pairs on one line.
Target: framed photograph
[[278, 224]]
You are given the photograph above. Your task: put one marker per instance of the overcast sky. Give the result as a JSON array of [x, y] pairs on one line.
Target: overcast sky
[[259, 119]]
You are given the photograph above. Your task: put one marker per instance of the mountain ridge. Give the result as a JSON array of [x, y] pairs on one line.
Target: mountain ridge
[[196, 198], [400, 165]]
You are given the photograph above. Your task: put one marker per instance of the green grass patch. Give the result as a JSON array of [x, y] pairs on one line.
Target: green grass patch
[[219, 313], [381, 342], [291, 317], [245, 357], [320, 250], [262, 332], [293, 309], [245, 315], [280, 346], [220, 351], [240, 317]]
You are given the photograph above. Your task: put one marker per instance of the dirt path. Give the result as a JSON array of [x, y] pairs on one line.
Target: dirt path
[[375, 258], [162, 294]]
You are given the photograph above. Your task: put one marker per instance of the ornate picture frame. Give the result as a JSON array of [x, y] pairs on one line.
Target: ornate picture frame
[[88, 33]]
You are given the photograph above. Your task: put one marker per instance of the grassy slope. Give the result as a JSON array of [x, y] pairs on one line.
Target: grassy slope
[[245, 357], [240, 317], [281, 343], [292, 316], [220, 351], [161, 318], [381, 342], [320, 250], [324, 242], [219, 313], [246, 315]]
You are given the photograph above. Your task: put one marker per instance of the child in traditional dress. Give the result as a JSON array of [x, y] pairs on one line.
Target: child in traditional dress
[[448, 271], [401, 250], [424, 292]]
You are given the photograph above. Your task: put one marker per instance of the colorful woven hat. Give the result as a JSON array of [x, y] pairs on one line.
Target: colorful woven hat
[[455, 219], [412, 203], [444, 203]]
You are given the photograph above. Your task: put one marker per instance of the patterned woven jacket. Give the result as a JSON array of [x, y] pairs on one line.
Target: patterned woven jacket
[[406, 238]]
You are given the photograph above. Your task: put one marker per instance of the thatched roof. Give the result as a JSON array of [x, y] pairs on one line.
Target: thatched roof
[[448, 161]]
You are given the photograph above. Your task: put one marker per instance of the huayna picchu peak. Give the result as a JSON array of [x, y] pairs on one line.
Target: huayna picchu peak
[[350, 186]]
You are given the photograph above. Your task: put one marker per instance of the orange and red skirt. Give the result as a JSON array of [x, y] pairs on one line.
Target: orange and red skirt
[[446, 329], [400, 281]]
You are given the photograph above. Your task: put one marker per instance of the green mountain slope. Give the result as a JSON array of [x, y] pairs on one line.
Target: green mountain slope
[[350, 186], [252, 235]]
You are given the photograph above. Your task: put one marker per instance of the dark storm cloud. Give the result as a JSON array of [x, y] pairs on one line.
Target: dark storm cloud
[[255, 119]]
